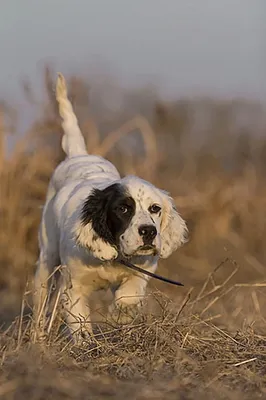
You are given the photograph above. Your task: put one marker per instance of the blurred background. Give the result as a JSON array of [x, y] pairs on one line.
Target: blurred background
[[172, 91]]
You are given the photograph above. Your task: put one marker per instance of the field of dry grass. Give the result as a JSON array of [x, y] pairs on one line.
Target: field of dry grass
[[206, 340]]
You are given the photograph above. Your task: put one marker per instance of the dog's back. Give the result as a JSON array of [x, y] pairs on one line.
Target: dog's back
[[93, 169]]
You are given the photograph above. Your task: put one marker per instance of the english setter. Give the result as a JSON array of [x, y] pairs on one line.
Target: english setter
[[91, 216]]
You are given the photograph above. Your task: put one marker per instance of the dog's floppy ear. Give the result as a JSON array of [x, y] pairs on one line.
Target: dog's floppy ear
[[173, 228], [93, 232]]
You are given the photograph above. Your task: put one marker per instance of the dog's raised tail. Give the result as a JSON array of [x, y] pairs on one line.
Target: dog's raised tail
[[73, 142]]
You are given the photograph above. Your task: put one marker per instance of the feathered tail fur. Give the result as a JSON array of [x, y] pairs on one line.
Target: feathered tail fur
[[73, 142]]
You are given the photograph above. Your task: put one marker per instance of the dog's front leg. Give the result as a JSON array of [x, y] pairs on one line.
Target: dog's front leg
[[77, 312], [129, 297]]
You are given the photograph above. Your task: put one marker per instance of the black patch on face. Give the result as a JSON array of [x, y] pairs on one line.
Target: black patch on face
[[109, 211]]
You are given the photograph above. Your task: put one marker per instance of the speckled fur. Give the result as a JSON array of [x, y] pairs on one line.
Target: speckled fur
[[89, 259]]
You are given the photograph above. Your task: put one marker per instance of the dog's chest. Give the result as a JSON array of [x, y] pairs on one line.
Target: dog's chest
[[114, 274], [99, 277]]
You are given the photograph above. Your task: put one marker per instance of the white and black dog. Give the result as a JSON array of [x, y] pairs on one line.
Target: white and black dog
[[91, 217]]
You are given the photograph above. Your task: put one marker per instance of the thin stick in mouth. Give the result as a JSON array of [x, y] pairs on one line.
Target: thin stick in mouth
[[148, 273]]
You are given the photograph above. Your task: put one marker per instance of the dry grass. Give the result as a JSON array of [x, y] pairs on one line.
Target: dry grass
[[206, 340]]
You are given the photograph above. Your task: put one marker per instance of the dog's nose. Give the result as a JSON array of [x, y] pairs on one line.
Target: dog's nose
[[148, 233]]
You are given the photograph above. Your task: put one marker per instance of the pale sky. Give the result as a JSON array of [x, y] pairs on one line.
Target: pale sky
[[187, 46]]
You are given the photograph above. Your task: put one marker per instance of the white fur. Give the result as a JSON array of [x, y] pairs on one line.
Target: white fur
[[90, 260]]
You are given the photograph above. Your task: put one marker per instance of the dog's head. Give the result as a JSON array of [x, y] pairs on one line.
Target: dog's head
[[132, 218]]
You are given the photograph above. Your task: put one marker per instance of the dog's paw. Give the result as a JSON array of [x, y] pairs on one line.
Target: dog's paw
[[82, 337], [38, 332], [124, 314], [38, 337]]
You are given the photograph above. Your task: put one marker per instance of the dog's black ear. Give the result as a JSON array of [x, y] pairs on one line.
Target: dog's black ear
[[95, 211], [94, 232]]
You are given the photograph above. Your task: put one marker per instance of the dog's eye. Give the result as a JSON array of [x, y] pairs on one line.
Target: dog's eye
[[123, 209], [154, 209]]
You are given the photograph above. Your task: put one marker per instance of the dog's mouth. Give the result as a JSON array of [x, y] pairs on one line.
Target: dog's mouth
[[147, 247], [145, 250]]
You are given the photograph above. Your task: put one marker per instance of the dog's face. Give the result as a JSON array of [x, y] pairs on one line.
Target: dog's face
[[132, 218]]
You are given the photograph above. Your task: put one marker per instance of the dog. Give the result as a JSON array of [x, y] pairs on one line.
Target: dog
[[91, 217]]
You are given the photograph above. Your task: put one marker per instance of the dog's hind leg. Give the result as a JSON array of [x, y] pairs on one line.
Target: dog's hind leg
[[48, 261], [44, 276], [41, 294]]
